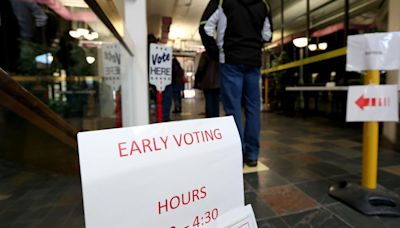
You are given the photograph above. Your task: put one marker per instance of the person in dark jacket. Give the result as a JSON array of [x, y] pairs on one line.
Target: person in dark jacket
[[241, 28], [178, 76], [207, 79]]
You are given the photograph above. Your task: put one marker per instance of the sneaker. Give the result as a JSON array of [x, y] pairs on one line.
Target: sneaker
[[251, 163]]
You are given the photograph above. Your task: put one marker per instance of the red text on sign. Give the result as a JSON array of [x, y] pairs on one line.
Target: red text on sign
[[183, 199], [142, 146], [197, 137]]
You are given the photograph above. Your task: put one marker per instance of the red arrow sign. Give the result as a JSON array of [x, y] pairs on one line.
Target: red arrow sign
[[362, 102]]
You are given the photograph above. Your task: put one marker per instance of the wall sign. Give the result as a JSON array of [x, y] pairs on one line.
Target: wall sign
[[112, 65], [372, 103], [175, 174], [373, 51], [160, 66]]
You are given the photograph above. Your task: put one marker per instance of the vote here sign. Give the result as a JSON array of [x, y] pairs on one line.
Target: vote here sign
[[160, 66], [112, 65], [178, 174], [372, 103]]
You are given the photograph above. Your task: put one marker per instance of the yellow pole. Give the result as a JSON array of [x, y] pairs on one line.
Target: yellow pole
[[266, 94], [370, 142]]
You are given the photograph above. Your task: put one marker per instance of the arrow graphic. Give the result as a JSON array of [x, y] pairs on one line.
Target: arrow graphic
[[362, 102]]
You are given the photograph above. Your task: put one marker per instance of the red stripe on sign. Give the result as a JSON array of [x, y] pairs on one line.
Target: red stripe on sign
[[373, 101], [380, 101]]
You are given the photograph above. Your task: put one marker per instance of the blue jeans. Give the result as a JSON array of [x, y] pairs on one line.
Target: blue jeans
[[240, 84]]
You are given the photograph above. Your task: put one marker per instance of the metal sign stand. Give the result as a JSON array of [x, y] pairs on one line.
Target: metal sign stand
[[368, 198]]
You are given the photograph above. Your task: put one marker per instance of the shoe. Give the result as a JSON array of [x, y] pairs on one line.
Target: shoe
[[251, 163]]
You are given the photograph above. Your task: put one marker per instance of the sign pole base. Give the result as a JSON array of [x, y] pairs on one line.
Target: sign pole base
[[371, 202]]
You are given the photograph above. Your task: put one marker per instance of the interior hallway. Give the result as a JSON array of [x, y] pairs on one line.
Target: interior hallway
[[304, 155]]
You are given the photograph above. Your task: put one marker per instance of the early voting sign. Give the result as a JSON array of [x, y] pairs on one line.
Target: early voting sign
[[160, 67], [372, 103], [175, 174], [373, 51], [112, 65]]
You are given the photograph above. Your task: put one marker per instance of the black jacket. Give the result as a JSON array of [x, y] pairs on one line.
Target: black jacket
[[241, 26]]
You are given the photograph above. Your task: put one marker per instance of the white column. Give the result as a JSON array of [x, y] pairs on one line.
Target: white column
[[390, 129], [135, 107]]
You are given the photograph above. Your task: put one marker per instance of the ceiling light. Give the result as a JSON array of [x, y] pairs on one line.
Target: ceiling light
[[322, 46], [300, 42], [46, 58], [90, 59], [312, 47], [91, 36], [50, 58], [74, 34], [82, 31], [95, 35]]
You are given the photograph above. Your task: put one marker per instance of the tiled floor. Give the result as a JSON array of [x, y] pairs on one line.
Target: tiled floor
[[304, 156]]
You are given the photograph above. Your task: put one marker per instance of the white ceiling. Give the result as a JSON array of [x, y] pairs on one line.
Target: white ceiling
[[186, 15], [74, 3]]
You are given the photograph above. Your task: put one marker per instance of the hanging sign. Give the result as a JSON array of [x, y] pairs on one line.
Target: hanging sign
[[372, 103], [160, 66], [112, 65], [175, 174], [374, 51]]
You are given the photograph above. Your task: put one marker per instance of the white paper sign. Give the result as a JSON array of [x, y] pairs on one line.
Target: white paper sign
[[160, 67], [112, 65], [242, 217], [374, 51], [175, 174], [372, 103]]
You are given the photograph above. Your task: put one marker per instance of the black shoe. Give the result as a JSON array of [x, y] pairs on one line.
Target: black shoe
[[251, 163]]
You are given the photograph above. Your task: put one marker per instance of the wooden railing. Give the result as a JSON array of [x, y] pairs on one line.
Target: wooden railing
[[17, 99]]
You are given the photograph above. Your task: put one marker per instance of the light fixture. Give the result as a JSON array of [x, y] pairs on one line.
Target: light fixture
[[91, 36], [90, 59], [323, 46], [74, 34], [300, 42], [82, 31], [50, 58], [312, 47], [85, 33], [318, 47], [46, 58]]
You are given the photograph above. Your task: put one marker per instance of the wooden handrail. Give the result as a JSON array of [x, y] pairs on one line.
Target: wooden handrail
[[16, 98]]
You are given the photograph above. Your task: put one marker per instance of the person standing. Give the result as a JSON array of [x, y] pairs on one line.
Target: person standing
[[207, 79], [178, 76], [241, 28]]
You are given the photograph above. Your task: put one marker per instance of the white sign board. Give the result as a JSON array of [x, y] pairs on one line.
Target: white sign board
[[242, 217], [372, 103], [374, 51], [175, 174], [160, 67], [112, 65]]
